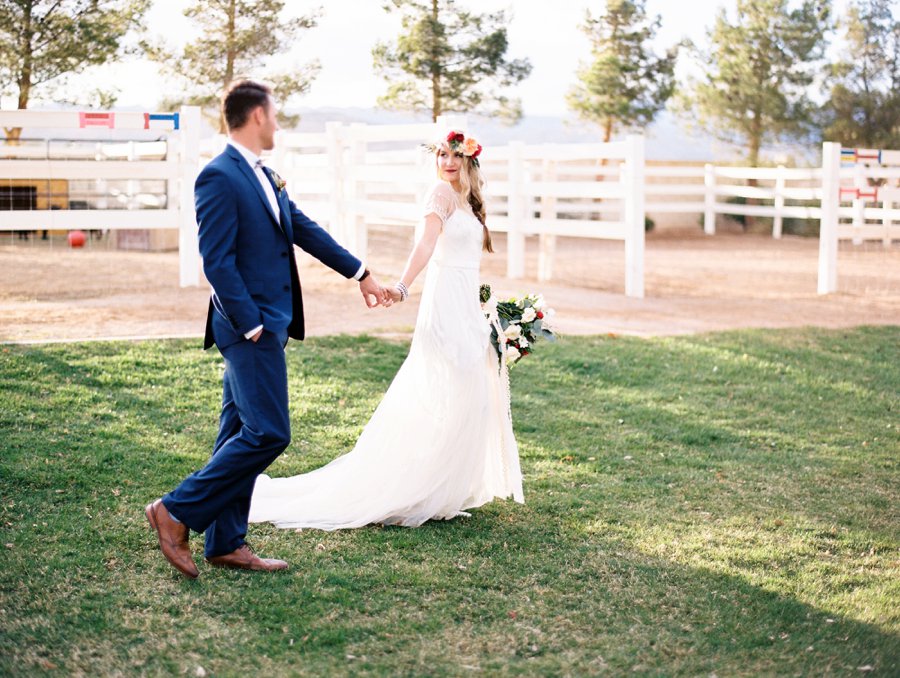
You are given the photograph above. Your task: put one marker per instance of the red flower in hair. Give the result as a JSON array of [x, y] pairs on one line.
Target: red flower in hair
[[455, 136], [478, 152]]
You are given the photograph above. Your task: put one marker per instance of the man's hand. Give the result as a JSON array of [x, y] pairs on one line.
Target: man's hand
[[373, 293], [256, 336]]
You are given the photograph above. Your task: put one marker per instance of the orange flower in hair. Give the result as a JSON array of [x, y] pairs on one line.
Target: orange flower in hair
[[458, 143]]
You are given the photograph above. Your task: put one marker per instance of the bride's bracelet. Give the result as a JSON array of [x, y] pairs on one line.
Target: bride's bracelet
[[403, 290]]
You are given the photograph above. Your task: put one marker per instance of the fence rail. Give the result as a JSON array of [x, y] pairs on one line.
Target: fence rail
[[172, 162], [351, 177], [354, 176]]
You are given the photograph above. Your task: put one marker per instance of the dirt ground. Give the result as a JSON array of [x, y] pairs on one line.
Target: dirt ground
[[694, 283]]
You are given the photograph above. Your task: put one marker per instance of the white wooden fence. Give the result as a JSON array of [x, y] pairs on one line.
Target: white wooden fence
[[354, 176], [585, 190], [351, 177], [174, 160], [706, 189], [854, 195]]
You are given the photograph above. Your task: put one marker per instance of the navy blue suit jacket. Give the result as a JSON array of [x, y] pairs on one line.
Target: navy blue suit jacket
[[248, 254]]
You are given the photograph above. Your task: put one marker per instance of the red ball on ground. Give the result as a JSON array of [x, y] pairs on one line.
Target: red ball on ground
[[77, 238]]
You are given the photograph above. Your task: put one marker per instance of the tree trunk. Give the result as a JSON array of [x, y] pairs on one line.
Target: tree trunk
[[608, 129], [756, 133], [608, 125], [13, 134], [436, 103], [435, 98], [230, 55]]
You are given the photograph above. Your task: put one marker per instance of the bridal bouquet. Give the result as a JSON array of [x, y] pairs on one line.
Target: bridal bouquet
[[521, 322]]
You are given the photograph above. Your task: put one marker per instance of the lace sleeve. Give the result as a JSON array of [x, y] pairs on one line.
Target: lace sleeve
[[440, 201]]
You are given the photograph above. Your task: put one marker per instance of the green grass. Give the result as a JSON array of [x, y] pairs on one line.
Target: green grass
[[725, 504]]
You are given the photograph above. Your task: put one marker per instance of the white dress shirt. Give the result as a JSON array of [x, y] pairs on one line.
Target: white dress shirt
[[268, 189], [252, 160]]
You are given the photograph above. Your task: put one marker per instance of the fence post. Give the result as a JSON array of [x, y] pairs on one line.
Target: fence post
[[425, 168], [634, 216], [777, 223], [515, 210], [334, 149], [280, 161], [188, 238], [828, 225], [547, 250], [709, 199], [174, 159], [887, 204], [358, 240]]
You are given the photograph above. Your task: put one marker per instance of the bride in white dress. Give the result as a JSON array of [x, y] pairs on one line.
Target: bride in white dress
[[441, 440]]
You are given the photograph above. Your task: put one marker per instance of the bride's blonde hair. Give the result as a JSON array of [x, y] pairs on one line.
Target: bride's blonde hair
[[471, 182]]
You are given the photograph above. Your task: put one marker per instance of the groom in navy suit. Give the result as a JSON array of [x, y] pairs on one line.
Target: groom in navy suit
[[248, 227]]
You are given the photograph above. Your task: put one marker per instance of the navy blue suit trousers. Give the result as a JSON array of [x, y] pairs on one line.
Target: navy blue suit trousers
[[248, 258]]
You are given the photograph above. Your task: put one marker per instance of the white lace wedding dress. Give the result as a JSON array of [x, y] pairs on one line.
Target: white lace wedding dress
[[441, 440]]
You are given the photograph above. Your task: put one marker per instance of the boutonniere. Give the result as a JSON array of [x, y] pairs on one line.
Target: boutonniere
[[279, 182]]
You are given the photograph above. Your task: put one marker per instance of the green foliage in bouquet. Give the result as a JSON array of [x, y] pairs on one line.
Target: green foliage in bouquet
[[522, 323]]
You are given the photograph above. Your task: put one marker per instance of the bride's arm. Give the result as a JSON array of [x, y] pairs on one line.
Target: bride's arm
[[422, 251]]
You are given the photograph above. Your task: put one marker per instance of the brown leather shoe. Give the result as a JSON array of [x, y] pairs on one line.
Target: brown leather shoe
[[173, 539], [244, 559]]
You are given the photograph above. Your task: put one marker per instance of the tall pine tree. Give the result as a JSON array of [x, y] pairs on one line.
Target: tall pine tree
[[863, 108], [758, 71], [449, 60], [625, 84], [42, 42], [237, 37]]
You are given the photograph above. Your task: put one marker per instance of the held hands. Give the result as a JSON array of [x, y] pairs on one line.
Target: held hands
[[394, 294], [373, 293]]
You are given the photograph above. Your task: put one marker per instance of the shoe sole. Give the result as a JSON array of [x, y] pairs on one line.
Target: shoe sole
[[148, 511], [245, 569]]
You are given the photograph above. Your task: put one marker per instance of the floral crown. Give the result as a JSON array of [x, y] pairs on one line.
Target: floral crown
[[458, 143]]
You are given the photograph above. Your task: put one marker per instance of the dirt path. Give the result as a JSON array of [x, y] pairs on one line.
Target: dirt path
[[49, 292]]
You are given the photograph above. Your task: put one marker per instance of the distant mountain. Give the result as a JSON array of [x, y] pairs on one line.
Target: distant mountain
[[666, 139]]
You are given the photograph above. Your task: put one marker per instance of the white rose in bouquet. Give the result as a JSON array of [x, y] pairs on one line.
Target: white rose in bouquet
[[514, 331], [519, 316]]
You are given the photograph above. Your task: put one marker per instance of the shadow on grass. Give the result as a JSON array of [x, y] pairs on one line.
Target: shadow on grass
[[501, 592], [663, 534]]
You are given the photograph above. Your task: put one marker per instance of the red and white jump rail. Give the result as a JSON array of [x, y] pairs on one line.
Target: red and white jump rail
[[179, 168], [863, 177]]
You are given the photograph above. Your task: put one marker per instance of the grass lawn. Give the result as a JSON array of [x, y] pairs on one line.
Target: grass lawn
[[722, 504]]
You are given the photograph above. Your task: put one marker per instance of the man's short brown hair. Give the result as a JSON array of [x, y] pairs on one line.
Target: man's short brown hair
[[241, 97]]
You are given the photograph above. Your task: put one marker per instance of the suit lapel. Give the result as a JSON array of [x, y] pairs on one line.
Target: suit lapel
[[251, 177], [284, 213], [283, 221]]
